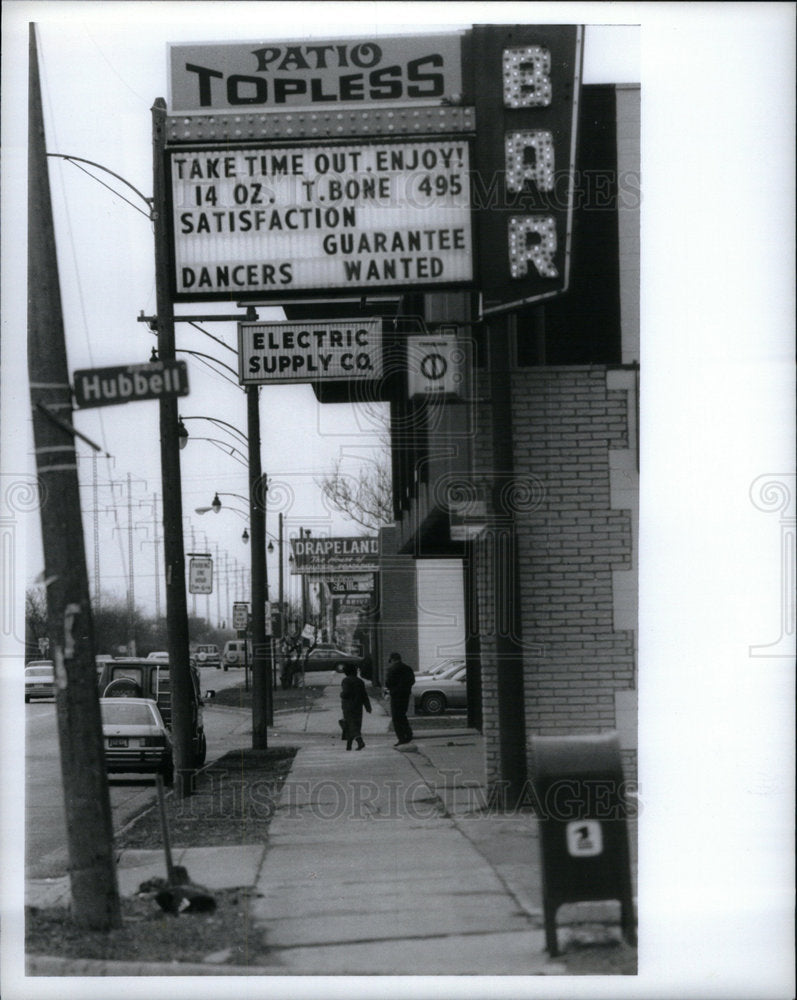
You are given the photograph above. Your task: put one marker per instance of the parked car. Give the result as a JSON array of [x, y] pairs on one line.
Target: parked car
[[325, 656], [207, 655], [135, 737], [39, 680], [236, 653], [445, 668], [128, 677], [433, 695]]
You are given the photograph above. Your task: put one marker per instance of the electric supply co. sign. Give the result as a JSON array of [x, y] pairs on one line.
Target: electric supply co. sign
[[285, 352], [372, 165]]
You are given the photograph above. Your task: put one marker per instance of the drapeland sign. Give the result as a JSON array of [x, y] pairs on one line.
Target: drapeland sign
[[355, 165], [335, 555]]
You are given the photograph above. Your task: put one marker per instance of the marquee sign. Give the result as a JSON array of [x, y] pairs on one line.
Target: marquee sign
[[278, 220], [359, 166], [283, 352], [335, 555], [319, 74]]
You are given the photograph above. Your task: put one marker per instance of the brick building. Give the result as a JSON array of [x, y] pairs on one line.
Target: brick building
[[542, 508]]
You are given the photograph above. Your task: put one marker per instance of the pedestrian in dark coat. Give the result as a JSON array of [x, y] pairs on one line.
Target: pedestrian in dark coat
[[399, 680], [353, 699]]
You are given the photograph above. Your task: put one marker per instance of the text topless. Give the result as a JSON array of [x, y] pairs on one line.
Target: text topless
[[338, 217]]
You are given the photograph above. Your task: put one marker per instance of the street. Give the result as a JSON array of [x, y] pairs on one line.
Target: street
[[46, 854]]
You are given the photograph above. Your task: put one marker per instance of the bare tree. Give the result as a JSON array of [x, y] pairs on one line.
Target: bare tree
[[365, 496]]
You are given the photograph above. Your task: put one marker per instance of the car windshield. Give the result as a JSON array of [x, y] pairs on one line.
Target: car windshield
[[127, 713], [129, 673], [38, 672], [444, 669]]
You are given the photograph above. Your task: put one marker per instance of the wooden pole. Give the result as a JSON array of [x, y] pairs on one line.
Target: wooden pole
[[261, 648], [89, 825], [173, 549]]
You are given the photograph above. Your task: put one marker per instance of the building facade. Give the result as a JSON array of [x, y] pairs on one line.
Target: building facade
[[530, 476]]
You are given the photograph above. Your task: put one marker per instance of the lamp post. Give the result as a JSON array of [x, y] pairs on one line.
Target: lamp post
[[281, 594]]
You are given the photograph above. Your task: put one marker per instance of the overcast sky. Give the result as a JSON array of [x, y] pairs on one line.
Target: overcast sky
[[102, 66]]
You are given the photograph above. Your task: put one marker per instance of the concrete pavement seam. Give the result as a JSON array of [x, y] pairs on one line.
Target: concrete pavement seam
[[530, 914]]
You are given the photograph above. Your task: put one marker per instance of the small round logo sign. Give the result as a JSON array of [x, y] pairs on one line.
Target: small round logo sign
[[434, 367]]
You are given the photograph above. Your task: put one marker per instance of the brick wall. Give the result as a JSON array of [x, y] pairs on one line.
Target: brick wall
[[570, 543]]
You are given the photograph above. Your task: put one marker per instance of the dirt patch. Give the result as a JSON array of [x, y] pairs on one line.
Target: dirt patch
[[596, 952], [232, 803], [293, 698], [223, 936]]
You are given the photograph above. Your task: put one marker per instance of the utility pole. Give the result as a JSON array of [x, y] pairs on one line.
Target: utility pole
[[281, 584], [261, 648], [89, 826], [173, 549]]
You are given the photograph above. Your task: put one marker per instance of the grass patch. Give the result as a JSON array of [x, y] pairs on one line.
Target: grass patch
[[233, 803], [224, 936], [293, 698]]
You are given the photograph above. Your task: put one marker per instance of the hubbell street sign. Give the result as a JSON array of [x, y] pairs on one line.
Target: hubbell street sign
[[335, 555], [109, 386], [279, 220], [302, 352]]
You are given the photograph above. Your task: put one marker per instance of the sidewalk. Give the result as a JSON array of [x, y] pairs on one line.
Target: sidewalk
[[379, 862]]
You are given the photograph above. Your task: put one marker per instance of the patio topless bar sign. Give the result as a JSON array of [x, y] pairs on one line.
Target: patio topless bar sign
[[361, 165]]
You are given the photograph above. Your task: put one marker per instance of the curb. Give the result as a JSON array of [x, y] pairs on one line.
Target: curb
[[53, 965]]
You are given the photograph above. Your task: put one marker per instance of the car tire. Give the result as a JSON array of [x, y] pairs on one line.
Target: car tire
[[433, 703], [339, 668], [122, 688]]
